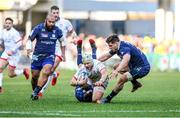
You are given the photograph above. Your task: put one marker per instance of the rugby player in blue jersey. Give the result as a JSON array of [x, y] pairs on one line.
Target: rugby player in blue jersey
[[46, 35], [134, 65]]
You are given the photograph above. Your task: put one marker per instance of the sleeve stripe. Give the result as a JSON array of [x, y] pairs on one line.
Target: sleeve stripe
[[74, 77], [19, 40], [102, 68]]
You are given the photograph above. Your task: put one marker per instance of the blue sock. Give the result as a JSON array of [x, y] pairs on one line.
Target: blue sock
[[36, 90], [94, 52], [79, 56]]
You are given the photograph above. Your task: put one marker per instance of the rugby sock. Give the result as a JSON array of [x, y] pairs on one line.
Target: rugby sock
[[79, 56], [93, 47], [111, 95], [46, 84], [34, 83], [54, 74], [18, 72], [1, 78], [94, 52], [36, 90], [133, 81]]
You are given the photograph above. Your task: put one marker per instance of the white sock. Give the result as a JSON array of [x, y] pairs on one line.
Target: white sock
[[54, 74], [18, 72], [1, 79], [46, 85]]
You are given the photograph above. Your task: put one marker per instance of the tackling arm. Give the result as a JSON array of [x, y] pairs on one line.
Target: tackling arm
[[104, 57], [104, 77], [122, 65], [75, 82]]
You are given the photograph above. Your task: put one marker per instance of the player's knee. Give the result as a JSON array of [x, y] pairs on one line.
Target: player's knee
[[11, 75], [124, 78], [1, 70], [94, 100], [47, 71], [115, 66], [34, 76]]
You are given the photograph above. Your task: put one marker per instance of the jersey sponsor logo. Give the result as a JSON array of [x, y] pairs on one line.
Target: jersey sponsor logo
[[53, 37], [47, 42], [44, 35], [122, 52]]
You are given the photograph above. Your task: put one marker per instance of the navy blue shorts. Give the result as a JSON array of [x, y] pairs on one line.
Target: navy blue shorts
[[139, 72], [38, 61], [84, 94]]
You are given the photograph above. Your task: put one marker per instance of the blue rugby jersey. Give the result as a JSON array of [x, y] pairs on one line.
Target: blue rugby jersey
[[46, 40], [137, 56]]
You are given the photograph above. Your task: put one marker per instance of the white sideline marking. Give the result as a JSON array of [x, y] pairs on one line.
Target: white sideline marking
[[116, 111], [37, 113], [73, 113]]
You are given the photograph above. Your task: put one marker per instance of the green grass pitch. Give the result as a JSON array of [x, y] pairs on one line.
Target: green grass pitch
[[159, 97]]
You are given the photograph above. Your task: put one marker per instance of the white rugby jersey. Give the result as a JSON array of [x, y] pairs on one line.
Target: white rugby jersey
[[65, 26], [94, 75], [11, 39]]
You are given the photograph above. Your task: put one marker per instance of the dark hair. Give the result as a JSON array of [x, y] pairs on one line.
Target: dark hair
[[113, 38], [8, 18], [54, 8]]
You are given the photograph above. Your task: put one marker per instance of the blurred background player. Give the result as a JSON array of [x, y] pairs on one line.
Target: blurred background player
[[11, 41], [91, 76], [46, 35], [134, 64], [67, 29]]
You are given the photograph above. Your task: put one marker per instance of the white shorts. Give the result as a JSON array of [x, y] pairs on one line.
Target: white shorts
[[12, 60], [99, 89]]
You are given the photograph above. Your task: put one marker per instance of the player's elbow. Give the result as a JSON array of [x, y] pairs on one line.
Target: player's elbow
[[73, 82]]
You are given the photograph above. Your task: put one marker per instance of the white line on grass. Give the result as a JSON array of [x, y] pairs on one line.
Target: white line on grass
[[37, 113], [77, 113], [116, 111]]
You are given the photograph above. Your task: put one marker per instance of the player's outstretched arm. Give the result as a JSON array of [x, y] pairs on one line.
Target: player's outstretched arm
[[75, 82], [103, 77], [104, 57], [121, 66]]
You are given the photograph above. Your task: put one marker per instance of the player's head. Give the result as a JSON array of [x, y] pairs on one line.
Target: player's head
[[50, 21], [113, 42], [8, 23], [55, 11], [88, 61]]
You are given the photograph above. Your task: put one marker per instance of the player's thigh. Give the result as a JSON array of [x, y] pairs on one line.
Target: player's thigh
[[125, 69], [35, 73], [4, 61], [47, 69], [11, 70], [3, 64], [98, 93], [47, 64], [13, 61], [139, 72]]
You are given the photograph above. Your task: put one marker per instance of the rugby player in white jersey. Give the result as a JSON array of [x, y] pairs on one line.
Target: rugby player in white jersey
[[11, 40], [67, 29], [91, 76]]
